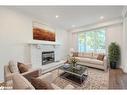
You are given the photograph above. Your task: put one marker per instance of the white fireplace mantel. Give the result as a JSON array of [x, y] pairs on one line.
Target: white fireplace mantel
[[37, 47], [37, 42]]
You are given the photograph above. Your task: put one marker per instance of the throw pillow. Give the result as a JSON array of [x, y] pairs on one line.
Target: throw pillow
[[22, 67], [87, 54], [12, 65], [75, 54], [40, 84], [100, 57]]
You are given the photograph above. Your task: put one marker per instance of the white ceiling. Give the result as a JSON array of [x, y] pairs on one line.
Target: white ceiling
[[72, 15]]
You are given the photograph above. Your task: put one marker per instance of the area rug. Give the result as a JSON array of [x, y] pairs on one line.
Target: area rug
[[97, 79]]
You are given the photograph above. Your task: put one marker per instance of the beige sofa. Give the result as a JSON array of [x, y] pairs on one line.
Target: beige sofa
[[8, 74], [20, 82], [90, 59]]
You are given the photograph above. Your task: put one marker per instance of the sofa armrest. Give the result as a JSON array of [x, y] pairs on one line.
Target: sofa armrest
[[7, 74], [105, 63], [8, 77], [48, 77]]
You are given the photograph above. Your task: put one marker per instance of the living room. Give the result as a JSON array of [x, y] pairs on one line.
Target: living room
[[72, 26]]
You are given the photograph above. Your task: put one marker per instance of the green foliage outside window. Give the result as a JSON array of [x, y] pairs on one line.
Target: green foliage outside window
[[92, 40]]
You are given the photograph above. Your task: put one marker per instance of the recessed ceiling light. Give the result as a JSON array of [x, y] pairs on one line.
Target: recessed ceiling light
[[101, 17], [73, 25], [57, 16]]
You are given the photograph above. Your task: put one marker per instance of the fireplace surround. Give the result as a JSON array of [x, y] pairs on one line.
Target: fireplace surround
[[48, 57]]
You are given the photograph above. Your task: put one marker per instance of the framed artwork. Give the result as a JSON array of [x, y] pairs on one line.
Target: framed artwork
[[43, 32]]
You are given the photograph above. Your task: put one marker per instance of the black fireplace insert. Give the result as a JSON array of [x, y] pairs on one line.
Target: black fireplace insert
[[48, 57]]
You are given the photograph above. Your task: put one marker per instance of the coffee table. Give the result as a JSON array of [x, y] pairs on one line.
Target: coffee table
[[76, 74]]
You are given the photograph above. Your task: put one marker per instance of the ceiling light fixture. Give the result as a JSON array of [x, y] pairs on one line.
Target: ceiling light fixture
[[57, 16], [101, 17]]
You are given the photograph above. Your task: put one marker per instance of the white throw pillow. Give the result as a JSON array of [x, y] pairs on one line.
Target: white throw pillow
[[13, 67]]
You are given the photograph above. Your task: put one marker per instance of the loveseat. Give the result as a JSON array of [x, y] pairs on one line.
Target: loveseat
[[20, 82], [13, 76], [96, 60]]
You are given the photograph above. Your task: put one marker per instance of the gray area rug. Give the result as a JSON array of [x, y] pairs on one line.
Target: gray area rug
[[96, 79]]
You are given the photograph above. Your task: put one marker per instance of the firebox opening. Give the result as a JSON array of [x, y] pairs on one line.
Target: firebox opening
[[48, 57]]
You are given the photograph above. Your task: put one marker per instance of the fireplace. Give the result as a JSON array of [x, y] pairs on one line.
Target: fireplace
[[48, 57]]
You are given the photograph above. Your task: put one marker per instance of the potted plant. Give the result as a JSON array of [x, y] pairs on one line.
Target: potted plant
[[73, 61], [114, 54]]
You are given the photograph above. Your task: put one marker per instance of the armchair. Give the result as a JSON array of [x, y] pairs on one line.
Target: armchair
[[8, 75]]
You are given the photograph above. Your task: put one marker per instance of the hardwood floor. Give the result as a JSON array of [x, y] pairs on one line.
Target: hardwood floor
[[117, 79]]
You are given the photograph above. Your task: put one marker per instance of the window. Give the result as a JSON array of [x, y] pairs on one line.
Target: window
[[92, 41]]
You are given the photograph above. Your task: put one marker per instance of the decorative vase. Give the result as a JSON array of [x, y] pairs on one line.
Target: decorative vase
[[74, 64]]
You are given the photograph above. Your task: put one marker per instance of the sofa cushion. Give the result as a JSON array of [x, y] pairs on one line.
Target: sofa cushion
[[95, 55], [41, 84], [81, 59], [89, 60], [12, 65], [87, 55], [80, 54], [20, 82], [95, 61], [22, 67], [84, 54], [100, 57], [48, 76]]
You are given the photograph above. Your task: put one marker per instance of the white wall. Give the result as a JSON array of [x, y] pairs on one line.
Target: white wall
[[114, 34], [63, 38], [124, 40], [97, 25], [15, 32]]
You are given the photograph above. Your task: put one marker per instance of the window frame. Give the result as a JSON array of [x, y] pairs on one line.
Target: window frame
[[93, 30]]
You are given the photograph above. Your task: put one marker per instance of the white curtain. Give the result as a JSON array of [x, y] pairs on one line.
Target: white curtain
[[74, 41]]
